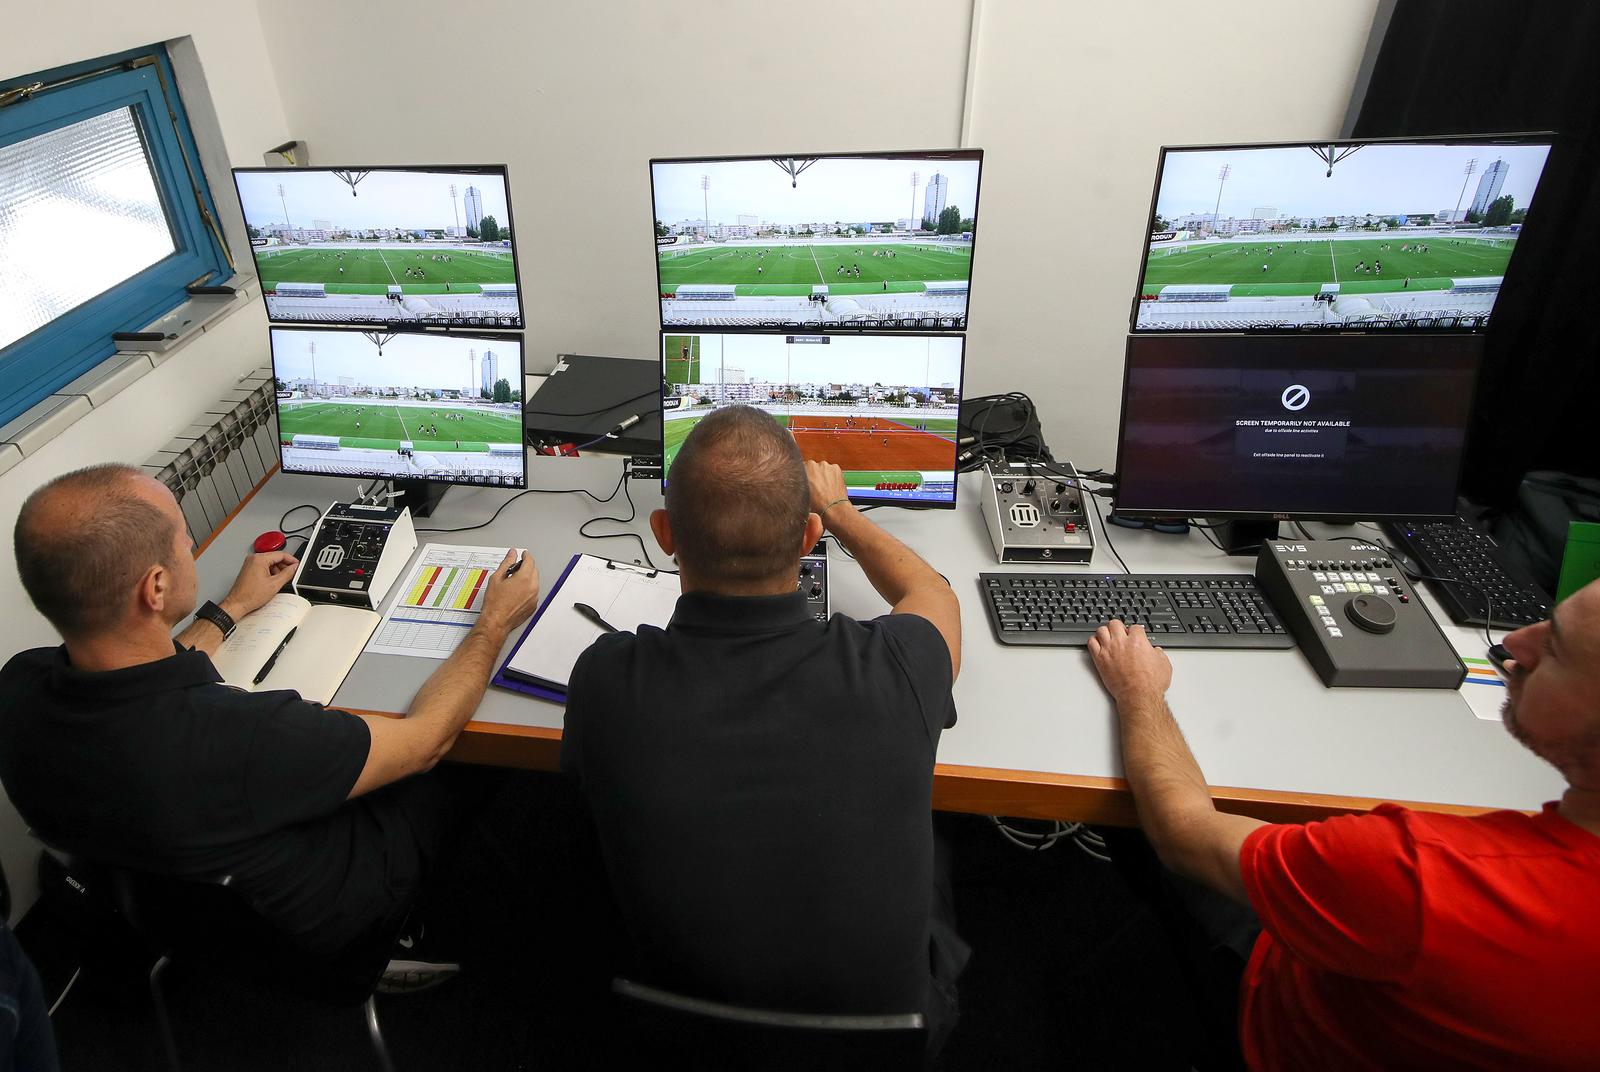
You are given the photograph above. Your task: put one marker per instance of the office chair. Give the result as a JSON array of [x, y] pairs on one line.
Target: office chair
[[206, 925], [679, 1031]]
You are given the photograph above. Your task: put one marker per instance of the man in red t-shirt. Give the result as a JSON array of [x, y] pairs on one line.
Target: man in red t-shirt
[[1402, 939]]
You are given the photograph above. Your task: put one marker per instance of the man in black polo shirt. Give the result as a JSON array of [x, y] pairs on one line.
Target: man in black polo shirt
[[760, 781], [123, 745]]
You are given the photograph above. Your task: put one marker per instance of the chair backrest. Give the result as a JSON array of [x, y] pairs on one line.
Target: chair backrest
[[696, 1032]]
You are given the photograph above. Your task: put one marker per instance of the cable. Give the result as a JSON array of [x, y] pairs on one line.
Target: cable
[[1105, 533], [65, 991], [283, 522], [528, 408], [1304, 535], [536, 491], [633, 512]]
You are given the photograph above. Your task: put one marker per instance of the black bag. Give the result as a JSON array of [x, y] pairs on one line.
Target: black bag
[[1533, 533]]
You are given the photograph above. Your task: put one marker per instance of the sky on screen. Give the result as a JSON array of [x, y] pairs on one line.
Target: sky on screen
[[894, 361], [1381, 179], [403, 199], [407, 361], [848, 189]]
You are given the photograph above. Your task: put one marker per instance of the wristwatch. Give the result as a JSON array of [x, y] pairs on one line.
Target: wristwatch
[[218, 617]]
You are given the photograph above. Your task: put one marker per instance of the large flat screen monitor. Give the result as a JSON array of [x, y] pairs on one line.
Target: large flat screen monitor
[[409, 247], [1406, 234], [1321, 426], [881, 407], [413, 407], [861, 241]]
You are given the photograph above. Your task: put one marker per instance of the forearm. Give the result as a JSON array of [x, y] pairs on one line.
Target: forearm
[[892, 568], [447, 700], [1175, 807]]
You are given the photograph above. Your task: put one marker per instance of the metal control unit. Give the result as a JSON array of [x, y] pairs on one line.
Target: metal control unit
[[1036, 514], [1355, 616], [813, 581], [356, 552]]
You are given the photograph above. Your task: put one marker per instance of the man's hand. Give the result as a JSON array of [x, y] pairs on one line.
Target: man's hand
[[1131, 668], [510, 601], [827, 486], [261, 578]]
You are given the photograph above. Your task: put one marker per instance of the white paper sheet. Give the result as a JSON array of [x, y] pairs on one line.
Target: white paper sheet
[[438, 602]]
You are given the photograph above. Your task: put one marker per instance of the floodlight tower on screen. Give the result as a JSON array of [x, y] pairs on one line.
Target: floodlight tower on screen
[[404, 407], [405, 246], [866, 241], [1383, 235], [882, 407]]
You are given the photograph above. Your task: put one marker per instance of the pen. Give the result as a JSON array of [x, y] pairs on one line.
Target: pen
[[594, 616], [515, 566], [265, 670]]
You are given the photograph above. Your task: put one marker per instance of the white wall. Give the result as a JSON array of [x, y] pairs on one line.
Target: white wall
[[227, 42], [1070, 104], [577, 97]]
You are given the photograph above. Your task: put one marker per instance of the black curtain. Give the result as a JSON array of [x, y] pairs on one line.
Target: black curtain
[[1488, 67]]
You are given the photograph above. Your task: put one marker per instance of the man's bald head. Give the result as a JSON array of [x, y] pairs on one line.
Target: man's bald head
[[737, 497], [85, 539]]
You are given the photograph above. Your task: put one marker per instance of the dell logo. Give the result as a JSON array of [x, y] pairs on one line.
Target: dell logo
[[1296, 397]]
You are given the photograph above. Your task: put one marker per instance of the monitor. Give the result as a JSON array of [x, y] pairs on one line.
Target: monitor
[[881, 407], [1317, 427], [407, 247], [441, 408], [861, 241], [1412, 234]]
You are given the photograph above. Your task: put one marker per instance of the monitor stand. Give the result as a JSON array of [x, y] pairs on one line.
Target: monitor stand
[[420, 495], [1242, 537]]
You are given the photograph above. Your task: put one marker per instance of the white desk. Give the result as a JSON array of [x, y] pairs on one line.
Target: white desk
[[1036, 734]]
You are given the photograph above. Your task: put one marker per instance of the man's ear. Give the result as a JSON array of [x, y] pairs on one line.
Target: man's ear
[[153, 589], [814, 531], [661, 525]]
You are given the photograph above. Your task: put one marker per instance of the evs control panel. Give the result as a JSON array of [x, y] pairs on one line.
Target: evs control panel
[[1036, 514], [814, 581], [355, 553], [1355, 616]]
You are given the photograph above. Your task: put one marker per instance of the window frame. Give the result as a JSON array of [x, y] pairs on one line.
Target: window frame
[[54, 354]]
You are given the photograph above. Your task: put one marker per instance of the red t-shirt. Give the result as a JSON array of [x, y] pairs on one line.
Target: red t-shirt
[[1403, 939]]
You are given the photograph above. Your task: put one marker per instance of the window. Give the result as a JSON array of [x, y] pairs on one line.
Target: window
[[105, 216]]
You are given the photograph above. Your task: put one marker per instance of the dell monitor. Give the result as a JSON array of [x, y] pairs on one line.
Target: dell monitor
[[1320, 426], [1406, 234], [403, 247], [882, 407], [863, 241], [416, 409]]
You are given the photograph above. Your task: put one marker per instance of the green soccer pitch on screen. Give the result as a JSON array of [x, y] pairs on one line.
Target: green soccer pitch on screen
[[1356, 236]]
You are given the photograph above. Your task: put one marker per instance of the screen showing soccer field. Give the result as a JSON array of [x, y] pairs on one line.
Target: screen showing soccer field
[[1349, 235], [445, 408], [874, 241], [881, 407], [407, 246]]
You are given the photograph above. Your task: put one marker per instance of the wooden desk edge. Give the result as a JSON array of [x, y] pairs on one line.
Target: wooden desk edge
[[978, 790]]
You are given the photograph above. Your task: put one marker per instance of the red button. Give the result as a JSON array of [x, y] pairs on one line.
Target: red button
[[1072, 526], [360, 572], [270, 541]]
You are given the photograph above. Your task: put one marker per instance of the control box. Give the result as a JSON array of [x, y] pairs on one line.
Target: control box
[[1036, 514], [1355, 616], [355, 553], [814, 581]]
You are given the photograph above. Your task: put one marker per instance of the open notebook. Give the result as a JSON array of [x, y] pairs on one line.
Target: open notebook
[[625, 596], [324, 645]]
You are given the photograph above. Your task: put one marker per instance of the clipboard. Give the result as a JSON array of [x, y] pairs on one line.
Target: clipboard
[[633, 595]]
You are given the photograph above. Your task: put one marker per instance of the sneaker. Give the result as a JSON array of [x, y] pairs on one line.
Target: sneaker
[[415, 965]]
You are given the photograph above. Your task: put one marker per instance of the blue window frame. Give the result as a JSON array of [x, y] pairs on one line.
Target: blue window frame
[[57, 352]]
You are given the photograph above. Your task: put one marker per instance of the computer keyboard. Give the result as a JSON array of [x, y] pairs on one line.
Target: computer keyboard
[[1452, 548], [1177, 610]]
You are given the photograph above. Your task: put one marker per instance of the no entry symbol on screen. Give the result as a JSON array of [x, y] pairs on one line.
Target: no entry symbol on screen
[[1296, 397]]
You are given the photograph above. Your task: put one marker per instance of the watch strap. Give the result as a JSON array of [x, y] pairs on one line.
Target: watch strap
[[218, 617]]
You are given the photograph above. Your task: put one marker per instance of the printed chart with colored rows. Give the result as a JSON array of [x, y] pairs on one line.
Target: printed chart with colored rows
[[448, 588]]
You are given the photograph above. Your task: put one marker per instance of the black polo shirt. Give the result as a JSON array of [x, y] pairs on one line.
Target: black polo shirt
[[762, 788], [163, 768]]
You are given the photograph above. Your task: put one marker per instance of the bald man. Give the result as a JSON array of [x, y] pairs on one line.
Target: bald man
[[1402, 939], [123, 745], [761, 781]]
